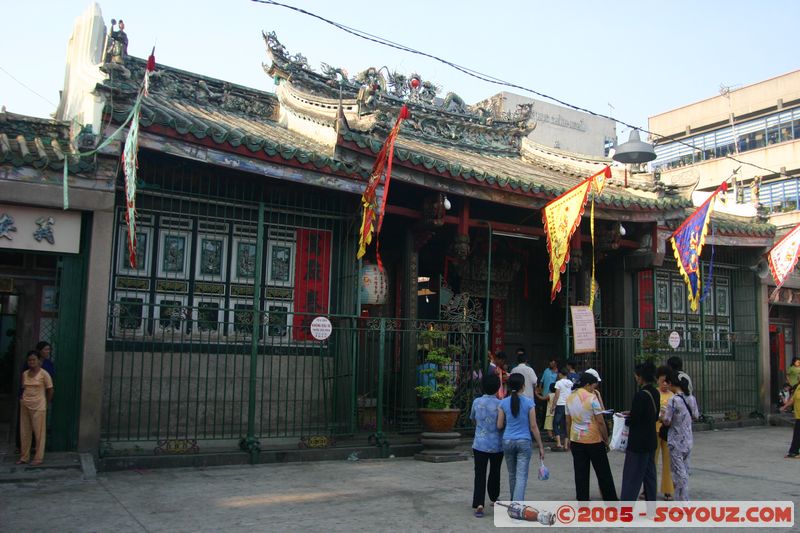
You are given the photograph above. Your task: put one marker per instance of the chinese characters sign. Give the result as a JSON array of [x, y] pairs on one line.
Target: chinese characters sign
[[39, 229], [312, 279], [498, 325]]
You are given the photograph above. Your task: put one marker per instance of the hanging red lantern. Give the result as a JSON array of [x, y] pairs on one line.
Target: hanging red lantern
[[415, 82]]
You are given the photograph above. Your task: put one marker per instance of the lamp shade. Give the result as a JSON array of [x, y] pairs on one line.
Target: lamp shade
[[634, 151]]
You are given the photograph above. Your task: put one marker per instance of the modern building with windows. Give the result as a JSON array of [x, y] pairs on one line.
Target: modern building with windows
[[757, 124]]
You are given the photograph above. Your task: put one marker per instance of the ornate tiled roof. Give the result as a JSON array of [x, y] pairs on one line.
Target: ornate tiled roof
[[445, 120], [227, 114], [215, 112], [735, 225], [38, 143], [511, 172], [206, 108]]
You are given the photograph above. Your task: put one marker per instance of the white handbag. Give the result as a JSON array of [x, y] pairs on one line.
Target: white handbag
[[619, 434]]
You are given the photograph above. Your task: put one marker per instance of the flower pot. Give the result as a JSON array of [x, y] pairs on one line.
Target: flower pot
[[438, 420]]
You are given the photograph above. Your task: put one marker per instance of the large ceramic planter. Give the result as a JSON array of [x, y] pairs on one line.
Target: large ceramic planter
[[438, 438], [438, 420]]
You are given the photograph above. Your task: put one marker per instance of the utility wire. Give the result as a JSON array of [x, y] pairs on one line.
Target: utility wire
[[31, 90], [490, 79]]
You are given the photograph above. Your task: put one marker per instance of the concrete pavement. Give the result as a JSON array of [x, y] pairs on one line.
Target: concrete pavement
[[368, 495]]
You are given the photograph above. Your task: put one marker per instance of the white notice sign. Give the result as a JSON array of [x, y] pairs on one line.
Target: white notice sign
[[321, 328], [583, 335], [674, 340]]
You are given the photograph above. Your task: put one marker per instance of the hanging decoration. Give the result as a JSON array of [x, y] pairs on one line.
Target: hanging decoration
[[782, 258], [372, 217], [599, 180], [130, 161], [374, 286], [687, 243], [130, 144], [561, 218]]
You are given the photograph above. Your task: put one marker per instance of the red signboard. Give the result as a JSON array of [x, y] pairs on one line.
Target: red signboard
[[498, 325], [312, 279]]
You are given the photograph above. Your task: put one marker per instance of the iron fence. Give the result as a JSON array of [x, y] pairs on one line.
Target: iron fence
[[175, 374], [724, 369]]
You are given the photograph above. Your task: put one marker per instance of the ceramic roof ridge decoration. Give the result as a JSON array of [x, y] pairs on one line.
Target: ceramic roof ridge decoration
[[179, 84], [213, 111], [380, 93], [41, 143]]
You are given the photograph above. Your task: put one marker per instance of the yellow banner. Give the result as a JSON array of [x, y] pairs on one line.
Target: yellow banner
[[561, 218], [601, 179]]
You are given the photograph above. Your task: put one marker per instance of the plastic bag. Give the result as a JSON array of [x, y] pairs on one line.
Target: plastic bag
[[619, 434], [544, 472]]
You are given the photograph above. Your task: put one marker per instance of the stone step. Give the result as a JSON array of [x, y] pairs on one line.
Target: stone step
[[55, 466]]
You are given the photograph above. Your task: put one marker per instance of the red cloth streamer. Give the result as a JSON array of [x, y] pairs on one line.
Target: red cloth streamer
[[372, 218]]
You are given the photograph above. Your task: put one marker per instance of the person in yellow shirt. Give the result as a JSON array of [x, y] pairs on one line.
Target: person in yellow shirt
[[794, 399], [664, 376], [589, 437], [37, 392]]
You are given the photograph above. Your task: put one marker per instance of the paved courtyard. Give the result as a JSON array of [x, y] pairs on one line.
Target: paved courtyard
[[369, 495]]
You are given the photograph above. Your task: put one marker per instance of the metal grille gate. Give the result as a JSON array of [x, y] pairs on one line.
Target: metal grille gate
[[724, 365], [208, 333], [191, 361]]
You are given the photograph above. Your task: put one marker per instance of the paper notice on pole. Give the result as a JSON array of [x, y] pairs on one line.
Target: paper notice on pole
[[583, 334]]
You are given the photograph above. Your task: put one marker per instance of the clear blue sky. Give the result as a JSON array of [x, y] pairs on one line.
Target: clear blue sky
[[642, 57]]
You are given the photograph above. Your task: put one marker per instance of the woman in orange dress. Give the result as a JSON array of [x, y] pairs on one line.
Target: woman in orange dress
[[37, 393]]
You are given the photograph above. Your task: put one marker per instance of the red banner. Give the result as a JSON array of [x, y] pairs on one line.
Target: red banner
[[312, 273], [498, 326]]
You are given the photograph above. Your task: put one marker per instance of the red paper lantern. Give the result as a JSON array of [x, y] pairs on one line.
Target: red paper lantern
[[415, 83]]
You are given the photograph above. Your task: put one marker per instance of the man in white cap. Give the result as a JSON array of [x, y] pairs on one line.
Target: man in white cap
[[594, 372]]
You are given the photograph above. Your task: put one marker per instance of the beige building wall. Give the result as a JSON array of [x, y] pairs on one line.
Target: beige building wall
[[728, 112], [774, 93]]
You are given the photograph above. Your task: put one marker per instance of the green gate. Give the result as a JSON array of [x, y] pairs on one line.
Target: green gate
[[719, 343], [210, 341]]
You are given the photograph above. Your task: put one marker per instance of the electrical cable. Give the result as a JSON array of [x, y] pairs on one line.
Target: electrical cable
[[491, 79], [31, 90]]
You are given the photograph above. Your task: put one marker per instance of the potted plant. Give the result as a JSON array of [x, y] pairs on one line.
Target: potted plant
[[437, 382], [652, 343]]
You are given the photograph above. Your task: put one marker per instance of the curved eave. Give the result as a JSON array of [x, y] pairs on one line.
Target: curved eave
[[432, 165]]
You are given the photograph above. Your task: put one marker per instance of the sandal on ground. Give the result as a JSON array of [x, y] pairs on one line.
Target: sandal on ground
[[21, 462], [36, 463], [667, 497], [557, 449], [479, 512], [791, 456]]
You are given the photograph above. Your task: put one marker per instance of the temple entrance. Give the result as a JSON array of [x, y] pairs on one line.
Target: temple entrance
[[28, 315], [455, 273]]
